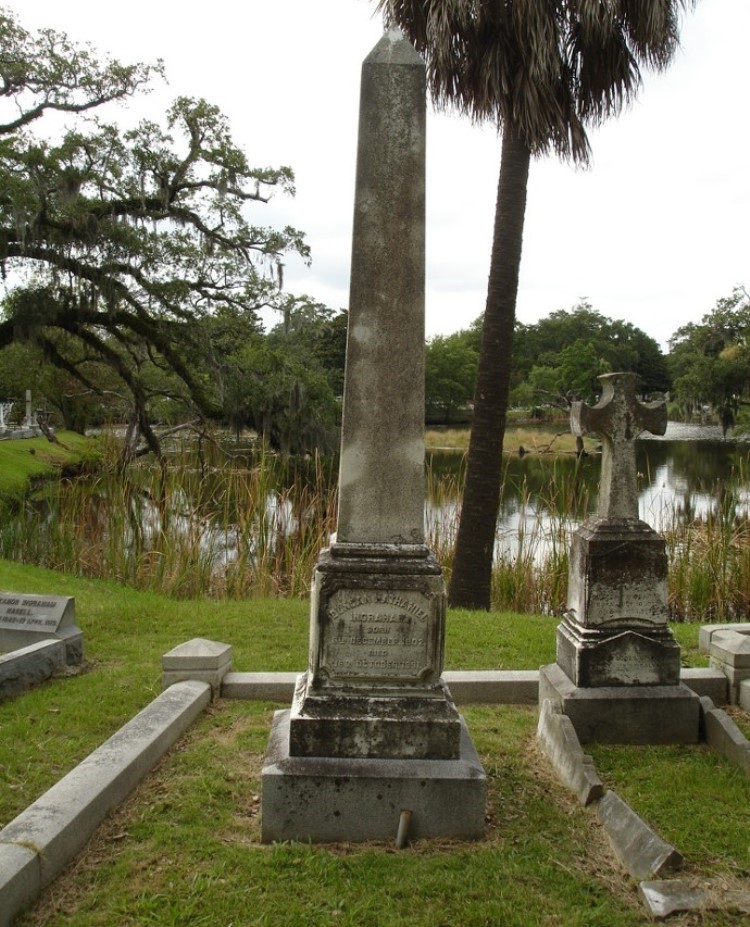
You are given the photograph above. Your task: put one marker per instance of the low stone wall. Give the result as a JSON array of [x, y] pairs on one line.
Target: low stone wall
[[37, 845]]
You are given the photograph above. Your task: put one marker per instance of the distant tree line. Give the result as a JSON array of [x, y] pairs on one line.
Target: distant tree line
[[555, 361]]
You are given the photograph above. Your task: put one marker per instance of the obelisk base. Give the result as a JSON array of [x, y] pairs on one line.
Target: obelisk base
[[632, 714], [327, 800], [373, 688]]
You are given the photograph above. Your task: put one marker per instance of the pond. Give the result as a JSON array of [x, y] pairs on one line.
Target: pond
[[684, 476], [251, 525]]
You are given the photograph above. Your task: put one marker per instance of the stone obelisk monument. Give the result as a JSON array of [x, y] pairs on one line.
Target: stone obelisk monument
[[373, 730], [617, 674]]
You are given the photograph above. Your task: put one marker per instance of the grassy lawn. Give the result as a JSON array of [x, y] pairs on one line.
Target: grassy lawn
[[185, 850], [24, 461]]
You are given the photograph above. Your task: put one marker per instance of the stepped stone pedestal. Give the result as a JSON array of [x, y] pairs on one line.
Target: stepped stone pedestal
[[617, 674], [373, 730]]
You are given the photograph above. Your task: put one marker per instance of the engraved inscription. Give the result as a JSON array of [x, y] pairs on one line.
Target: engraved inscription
[[377, 633], [28, 613]]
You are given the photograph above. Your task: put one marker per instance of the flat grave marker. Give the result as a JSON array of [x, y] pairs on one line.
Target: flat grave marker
[[26, 618]]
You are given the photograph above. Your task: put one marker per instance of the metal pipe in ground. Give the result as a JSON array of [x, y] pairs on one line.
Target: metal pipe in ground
[[404, 823]]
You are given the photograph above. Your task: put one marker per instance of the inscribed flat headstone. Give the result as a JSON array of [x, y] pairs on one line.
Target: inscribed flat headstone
[[28, 618]]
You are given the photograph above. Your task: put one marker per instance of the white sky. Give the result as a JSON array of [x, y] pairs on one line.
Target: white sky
[[654, 232]]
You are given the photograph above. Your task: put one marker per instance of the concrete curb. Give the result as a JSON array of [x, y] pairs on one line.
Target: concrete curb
[[559, 741], [468, 687], [37, 845], [641, 851], [21, 669], [723, 735]]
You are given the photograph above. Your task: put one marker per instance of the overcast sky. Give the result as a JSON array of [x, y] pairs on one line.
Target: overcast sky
[[654, 232]]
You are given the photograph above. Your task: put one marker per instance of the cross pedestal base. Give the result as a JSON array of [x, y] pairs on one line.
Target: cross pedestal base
[[660, 714], [594, 657], [334, 799]]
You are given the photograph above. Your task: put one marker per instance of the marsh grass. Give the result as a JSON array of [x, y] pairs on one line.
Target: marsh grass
[[221, 527], [210, 527]]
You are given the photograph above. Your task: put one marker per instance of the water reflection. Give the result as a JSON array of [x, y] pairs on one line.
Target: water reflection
[[544, 498]]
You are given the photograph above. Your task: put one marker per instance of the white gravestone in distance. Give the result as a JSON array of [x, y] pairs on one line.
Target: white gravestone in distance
[[28, 618]]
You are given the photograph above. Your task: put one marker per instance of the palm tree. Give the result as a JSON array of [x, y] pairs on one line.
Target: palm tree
[[543, 71]]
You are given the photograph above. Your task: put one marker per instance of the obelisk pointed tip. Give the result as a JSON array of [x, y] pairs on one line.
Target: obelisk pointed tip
[[394, 48]]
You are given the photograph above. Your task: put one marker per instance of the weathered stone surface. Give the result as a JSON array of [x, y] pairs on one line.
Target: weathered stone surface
[[493, 687], [731, 648], [663, 897], [743, 694], [641, 851], [269, 687], [374, 684], [200, 659], [624, 714], [373, 693], [707, 632], [325, 799], [29, 666], [407, 726], [381, 476], [59, 824], [624, 657], [28, 619], [618, 418], [706, 681], [618, 576], [20, 880], [617, 675], [378, 626], [723, 735], [557, 737], [730, 654]]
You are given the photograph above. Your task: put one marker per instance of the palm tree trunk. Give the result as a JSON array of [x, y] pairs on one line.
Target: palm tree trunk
[[470, 585]]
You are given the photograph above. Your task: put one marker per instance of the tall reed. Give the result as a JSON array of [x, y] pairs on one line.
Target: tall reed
[[250, 526], [213, 527]]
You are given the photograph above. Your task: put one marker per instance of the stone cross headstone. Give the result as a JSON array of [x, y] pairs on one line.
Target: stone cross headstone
[[372, 708], [618, 418], [618, 664]]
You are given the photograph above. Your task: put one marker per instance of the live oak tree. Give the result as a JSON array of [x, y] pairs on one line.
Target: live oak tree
[[542, 71], [560, 357], [118, 241], [710, 360]]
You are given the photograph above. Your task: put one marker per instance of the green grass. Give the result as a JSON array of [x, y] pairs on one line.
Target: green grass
[[185, 849], [24, 461]]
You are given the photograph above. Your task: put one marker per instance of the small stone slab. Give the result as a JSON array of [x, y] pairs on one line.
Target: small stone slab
[[731, 648], [493, 687], [575, 768], [640, 849], [201, 659], [707, 631], [29, 666], [671, 896], [706, 681], [27, 619]]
